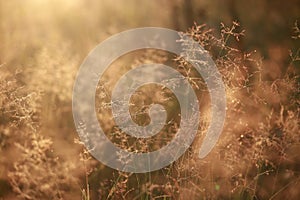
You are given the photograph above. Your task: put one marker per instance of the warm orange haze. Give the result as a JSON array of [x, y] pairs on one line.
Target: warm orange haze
[[255, 46]]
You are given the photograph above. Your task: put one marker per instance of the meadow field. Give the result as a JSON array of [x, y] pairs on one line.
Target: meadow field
[[255, 46]]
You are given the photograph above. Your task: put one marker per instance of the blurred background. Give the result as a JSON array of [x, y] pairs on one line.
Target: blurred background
[[43, 43]]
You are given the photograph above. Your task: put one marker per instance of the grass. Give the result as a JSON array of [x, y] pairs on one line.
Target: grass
[[255, 158]]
